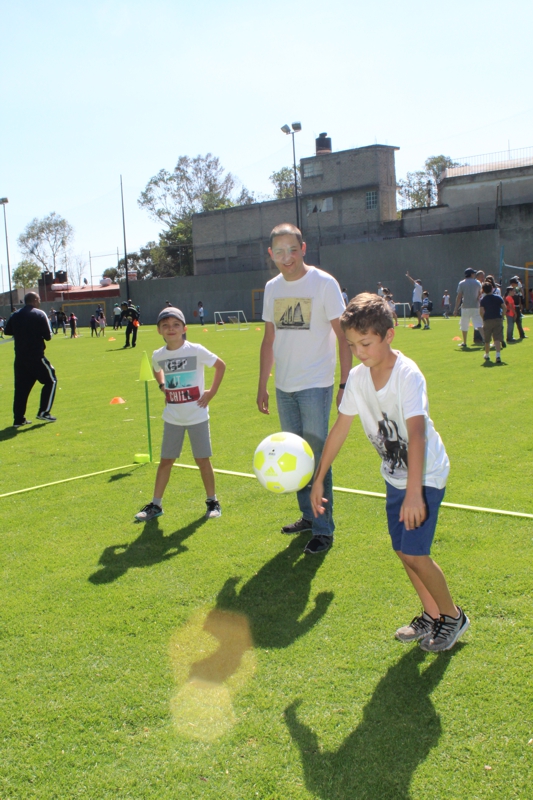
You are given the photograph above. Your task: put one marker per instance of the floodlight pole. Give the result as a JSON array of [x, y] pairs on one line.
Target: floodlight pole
[[296, 127], [3, 202], [125, 248]]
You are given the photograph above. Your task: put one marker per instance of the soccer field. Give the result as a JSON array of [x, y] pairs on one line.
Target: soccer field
[[210, 659]]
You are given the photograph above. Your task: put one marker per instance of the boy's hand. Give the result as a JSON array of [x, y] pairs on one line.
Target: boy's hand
[[204, 400], [262, 401], [317, 501], [413, 511]]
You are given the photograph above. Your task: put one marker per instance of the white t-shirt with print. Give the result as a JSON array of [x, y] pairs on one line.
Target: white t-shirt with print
[[305, 342], [417, 293], [184, 381], [384, 413]]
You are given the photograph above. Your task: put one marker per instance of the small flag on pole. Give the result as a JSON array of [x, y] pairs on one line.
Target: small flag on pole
[[146, 375]]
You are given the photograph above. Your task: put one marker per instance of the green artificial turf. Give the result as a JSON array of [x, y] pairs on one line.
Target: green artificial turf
[[210, 659]]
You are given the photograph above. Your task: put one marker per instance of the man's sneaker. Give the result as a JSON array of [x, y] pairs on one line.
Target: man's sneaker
[[486, 357], [299, 526], [45, 416], [498, 360], [417, 326], [318, 544], [151, 511], [418, 628], [462, 345], [446, 631], [213, 509], [20, 424]]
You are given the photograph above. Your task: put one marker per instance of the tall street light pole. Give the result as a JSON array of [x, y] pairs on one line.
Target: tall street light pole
[[3, 202], [296, 127], [125, 246]]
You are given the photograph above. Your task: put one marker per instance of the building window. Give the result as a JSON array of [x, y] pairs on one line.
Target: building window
[[312, 168], [371, 200], [320, 204]]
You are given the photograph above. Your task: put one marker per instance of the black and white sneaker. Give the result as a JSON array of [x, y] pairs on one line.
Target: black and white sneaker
[[445, 633], [45, 416], [213, 509], [20, 424], [299, 526], [151, 511], [418, 628], [318, 544]]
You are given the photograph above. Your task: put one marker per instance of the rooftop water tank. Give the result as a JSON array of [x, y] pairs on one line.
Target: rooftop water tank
[[323, 144]]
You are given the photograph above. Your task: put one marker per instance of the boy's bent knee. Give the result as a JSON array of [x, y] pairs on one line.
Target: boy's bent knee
[[413, 562]]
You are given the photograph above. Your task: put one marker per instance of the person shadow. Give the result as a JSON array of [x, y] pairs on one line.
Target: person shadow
[[267, 612], [400, 726], [152, 547]]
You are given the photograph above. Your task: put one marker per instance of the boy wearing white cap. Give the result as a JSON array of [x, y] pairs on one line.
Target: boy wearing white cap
[[179, 370]]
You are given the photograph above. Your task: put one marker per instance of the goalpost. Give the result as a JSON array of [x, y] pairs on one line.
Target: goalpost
[[235, 319]]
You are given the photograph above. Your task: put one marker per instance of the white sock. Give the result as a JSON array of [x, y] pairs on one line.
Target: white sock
[[157, 501]]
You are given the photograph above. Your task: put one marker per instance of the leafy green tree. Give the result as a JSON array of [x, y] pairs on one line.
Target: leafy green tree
[[419, 189], [111, 272], [26, 275], [283, 181], [47, 241]]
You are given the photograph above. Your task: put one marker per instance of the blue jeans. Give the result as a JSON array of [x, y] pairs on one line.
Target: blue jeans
[[306, 413]]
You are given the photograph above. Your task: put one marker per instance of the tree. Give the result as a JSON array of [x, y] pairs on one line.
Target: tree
[[76, 266], [47, 241], [196, 184], [419, 189], [111, 272], [283, 181], [26, 275]]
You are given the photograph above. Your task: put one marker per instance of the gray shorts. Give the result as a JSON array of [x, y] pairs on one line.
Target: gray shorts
[[199, 437]]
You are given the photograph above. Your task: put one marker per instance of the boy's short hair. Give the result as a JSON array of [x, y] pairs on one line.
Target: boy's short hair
[[286, 228], [487, 287], [368, 312]]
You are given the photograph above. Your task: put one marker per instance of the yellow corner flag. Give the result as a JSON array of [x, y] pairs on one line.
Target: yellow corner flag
[[146, 373]]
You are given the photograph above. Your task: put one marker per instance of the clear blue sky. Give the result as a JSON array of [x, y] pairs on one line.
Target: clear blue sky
[[97, 89]]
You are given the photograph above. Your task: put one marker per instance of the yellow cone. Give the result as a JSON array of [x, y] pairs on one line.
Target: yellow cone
[[146, 373]]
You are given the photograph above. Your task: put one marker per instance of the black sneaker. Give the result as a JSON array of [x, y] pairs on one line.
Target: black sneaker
[[299, 526], [446, 631], [151, 511], [213, 509], [318, 544], [20, 424], [45, 416], [417, 326]]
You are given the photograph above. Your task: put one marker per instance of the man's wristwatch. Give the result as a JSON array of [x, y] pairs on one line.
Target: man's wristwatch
[[342, 386], [161, 385]]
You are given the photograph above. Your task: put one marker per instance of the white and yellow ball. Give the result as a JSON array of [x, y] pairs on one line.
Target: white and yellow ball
[[284, 463]]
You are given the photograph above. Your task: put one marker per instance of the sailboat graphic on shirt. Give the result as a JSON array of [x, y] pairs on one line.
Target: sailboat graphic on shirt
[[292, 313]]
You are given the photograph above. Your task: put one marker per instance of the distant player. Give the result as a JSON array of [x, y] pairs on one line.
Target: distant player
[[388, 392], [179, 370]]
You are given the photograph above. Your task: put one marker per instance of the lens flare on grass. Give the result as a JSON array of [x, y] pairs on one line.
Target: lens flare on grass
[[212, 659]]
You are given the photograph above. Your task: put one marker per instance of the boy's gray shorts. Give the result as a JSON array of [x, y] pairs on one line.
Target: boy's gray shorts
[[199, 437]]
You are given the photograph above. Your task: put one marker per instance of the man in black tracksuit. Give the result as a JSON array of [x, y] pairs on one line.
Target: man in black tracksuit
[[131, 315], [30, 328]]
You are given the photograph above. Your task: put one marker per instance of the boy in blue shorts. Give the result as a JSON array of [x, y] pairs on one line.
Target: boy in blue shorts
[[179, 370], [388, 391]]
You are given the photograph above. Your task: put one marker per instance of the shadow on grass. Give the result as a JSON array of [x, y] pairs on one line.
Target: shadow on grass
[[399, 728], [10, 432], [118, 475], [276, 597], [152, 547]]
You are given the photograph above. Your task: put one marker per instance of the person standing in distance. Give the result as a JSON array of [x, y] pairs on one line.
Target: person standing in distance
[[301, 309], [30, 328], [417, 298], [131, 315]]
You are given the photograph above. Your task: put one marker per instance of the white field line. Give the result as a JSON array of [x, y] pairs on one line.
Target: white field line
[[381, 495]]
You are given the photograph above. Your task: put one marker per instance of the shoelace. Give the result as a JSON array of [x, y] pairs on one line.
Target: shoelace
[[443, 628]]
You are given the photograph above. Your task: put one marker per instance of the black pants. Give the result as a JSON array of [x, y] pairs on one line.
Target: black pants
[[27, 372], [518, 323], [131, 329]]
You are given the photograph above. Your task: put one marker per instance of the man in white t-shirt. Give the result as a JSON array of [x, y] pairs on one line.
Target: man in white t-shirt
[[416, 302], [301, 308], [468, 297]]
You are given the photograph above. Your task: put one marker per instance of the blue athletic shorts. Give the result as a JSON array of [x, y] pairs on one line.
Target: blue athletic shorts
[[416, 542]]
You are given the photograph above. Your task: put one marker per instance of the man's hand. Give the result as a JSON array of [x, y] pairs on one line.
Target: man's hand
[[317, 501], [262, 401], [413, 511]]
